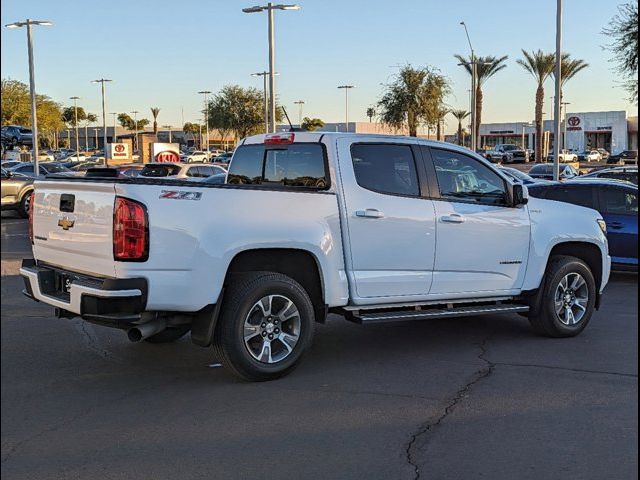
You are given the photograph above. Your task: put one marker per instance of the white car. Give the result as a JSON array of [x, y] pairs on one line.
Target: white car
[[592, 156], [193, 157], [376, 228], [566, 156]]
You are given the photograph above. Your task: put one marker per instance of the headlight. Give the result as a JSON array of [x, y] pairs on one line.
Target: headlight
[[603, 225]]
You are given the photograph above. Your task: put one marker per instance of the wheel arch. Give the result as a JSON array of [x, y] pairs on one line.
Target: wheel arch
[[301, 265]]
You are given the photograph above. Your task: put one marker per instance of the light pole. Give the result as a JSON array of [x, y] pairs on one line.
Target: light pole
[[135, 126], [169, 128], [115, 115], [206, 116], [558, 99], [75, 114], [564, 121], [346, 89], [270, 7], [102, 81], [95, 138], [264, 76], [32, 83], [524, 125], [300, 103], [473, 90]]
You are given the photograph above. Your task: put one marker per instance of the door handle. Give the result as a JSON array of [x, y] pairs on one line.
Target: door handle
[[453, 218], [369, 213], [615, 225]]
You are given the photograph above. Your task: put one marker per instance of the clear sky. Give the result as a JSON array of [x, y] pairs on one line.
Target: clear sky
[[160, 53]]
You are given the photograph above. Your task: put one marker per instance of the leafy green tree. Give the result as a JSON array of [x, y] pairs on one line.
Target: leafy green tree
[[371, 112], [16, 105], [311, 124], [236, 109], [127, 122], [460, 115], [541, 66], [623, 31], [155, 111], [69, 117], [414, 98], [486, 68]]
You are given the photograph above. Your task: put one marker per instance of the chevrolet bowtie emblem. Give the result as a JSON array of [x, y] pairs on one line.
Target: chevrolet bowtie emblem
[[65, 223]]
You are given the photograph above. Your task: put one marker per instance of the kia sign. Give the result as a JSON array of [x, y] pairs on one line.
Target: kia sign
[[573, 123], [165, 152], [119, 151], [167, 157]]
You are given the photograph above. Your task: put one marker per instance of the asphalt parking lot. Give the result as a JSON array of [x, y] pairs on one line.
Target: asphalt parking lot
[[475, 397]]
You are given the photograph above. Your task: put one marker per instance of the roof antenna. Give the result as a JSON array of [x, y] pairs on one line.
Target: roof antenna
[[291, 127]]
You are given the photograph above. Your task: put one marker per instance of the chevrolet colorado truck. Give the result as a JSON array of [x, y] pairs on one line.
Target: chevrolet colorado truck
[[374, 228]]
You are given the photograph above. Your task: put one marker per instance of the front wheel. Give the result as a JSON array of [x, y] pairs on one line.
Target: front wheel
[[266, 325], [567, 300]]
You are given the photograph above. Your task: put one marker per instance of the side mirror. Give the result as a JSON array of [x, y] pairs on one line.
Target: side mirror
[[520, 195]]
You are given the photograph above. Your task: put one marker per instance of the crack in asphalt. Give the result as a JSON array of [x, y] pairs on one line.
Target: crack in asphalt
[[461, 394], [91, 342]]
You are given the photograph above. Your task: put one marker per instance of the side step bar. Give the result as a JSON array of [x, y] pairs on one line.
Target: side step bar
[[405, 315]]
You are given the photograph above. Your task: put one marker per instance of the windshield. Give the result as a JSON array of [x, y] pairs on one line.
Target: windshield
[[159, 170], [508, 148], [541, 169], [56, 168], [516, 174]]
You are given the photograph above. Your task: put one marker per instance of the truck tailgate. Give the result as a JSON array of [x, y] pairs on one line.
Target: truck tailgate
[[73, 225]]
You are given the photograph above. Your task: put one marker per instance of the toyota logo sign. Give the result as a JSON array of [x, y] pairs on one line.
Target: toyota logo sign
[[119, 148], [167, 157], [573, 121]]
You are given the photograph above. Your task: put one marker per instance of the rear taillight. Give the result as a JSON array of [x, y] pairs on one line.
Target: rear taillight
[[130, 231], [285, 138], [32, 196]]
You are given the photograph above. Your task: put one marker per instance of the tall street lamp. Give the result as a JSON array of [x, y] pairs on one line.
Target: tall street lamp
[[135, 126], [32, 83], [270, 7], [473, 90], [102, 81], [525, 125], [206, 115], [300, 103], [264, 76], [115, 116], [95, 138], [346, 89], [168, 127], [558, 99], [75, 114], [564, 121]]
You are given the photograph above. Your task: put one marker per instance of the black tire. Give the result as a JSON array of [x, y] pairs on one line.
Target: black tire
[[23, 208], [169, 334], [544, 318], [240, 303]]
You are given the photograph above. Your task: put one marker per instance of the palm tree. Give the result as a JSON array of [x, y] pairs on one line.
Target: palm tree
[[486, 67], [460, 116], [440, 113], [311, 124], [569, 68], [541, 66], [155, 111], [371, 112]]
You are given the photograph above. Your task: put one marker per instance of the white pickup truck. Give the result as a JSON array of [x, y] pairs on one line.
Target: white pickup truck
[[374, 228]]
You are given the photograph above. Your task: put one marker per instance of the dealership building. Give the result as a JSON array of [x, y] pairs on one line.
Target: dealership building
[[614, 131]]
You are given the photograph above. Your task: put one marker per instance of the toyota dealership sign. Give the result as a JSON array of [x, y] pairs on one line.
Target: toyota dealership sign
[[118, 151]]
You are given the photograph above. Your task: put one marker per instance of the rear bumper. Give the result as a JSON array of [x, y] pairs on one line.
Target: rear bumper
[[84, 295]]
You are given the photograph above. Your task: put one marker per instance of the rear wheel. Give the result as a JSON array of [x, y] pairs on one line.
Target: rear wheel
[[567, 300], [266, 325]]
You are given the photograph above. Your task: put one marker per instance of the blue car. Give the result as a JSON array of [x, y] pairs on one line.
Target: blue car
[[617, 202]]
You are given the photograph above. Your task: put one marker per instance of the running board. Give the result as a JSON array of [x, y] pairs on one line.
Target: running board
[[406, 315]]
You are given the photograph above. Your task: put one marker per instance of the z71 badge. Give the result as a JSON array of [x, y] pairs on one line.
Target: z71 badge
[[180, 195]]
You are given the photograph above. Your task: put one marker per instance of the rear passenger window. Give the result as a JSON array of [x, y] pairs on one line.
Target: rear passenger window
[[385, 168], [620, 202], [581, 196], [295, 165]]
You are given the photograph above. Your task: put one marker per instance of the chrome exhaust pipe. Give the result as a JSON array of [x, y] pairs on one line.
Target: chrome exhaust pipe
[[140, 332]]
